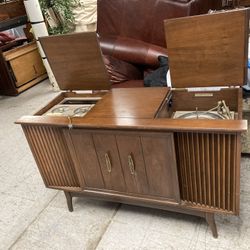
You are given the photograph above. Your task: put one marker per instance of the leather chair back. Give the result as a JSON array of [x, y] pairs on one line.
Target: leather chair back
[[143, 19]]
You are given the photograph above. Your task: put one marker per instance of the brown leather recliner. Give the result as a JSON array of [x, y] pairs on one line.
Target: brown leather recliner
[[131, 34]]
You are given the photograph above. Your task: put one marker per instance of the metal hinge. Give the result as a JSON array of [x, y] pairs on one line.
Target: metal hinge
[[70, 125]]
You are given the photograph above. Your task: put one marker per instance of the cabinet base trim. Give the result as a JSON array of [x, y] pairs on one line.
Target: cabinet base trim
[[31, 83], [168, 206]]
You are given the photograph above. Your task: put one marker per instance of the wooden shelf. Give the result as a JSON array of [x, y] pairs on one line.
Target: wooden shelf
[[13, 22], [245, 3]]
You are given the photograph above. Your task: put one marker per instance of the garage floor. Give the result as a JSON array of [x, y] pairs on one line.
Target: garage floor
[[33, 217]]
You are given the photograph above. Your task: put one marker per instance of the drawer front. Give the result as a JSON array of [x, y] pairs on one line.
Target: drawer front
[[108, 156], [27, 67], [132, 162]]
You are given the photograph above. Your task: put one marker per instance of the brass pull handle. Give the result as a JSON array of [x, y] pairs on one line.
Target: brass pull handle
[[108, 163], [131, 164]]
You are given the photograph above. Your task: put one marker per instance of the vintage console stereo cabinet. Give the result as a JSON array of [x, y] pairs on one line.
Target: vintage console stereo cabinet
[[139, 145]]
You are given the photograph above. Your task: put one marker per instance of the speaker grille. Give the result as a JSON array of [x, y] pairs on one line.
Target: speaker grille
[[52, 156], [207, 169]]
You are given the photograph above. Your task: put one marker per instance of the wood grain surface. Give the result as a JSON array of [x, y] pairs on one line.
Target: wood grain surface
[[27, 67], [129, 144], [76, 61], [160, 163], [105, 144], [136, 109], [88, 164], [207, 168], [129, 103], [52, 156], [140, 124], [208, 50]]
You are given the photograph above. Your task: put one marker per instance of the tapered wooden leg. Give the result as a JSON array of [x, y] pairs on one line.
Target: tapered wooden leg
[[69, 200], [211, 222]]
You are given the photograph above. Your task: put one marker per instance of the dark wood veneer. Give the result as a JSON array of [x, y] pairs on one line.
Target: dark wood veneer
[[206, 51], [81, 67]]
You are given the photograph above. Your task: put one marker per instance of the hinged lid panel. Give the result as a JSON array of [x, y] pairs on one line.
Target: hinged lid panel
[[208, 50], [76, 61]]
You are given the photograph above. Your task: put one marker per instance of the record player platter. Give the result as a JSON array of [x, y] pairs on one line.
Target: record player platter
[[211, 115]]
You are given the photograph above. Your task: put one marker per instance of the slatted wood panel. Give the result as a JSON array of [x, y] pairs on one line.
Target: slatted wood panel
[[52, 156], [207, 169]]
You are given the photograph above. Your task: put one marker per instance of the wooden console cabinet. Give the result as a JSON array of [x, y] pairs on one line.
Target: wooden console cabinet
[[128, 148]]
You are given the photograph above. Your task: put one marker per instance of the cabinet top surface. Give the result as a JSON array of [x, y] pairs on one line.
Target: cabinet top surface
[[20, 50], [129, 103], [133, 109]]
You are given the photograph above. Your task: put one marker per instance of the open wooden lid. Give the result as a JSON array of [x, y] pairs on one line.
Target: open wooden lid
[[76, 61], [208, 50]]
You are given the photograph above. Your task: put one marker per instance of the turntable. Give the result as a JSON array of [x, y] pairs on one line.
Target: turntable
[[210, 115], [220, 112]]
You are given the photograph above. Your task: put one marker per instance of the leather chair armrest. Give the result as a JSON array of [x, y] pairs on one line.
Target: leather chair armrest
[[132, 50]]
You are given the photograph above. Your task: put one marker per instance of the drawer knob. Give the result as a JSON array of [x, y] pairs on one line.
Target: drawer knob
[[131, 164], [108, 163]]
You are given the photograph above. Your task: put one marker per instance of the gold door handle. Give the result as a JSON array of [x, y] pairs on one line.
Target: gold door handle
[[131, 164], [108, 163]]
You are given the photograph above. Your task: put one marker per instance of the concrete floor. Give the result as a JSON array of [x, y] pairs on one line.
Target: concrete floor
[[33, 217]]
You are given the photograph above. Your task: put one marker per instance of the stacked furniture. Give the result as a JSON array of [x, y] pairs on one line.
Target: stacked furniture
[[20, 63]]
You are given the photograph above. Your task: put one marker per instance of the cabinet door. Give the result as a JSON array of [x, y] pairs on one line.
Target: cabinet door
[[108, 157], [87, 160], [132, 162], [160, 163]]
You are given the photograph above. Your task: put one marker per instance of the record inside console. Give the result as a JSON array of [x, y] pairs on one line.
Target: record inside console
[[209, 115]]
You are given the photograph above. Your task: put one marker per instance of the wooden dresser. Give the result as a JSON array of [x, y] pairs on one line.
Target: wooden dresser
[[20, 68], [128, 147]]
